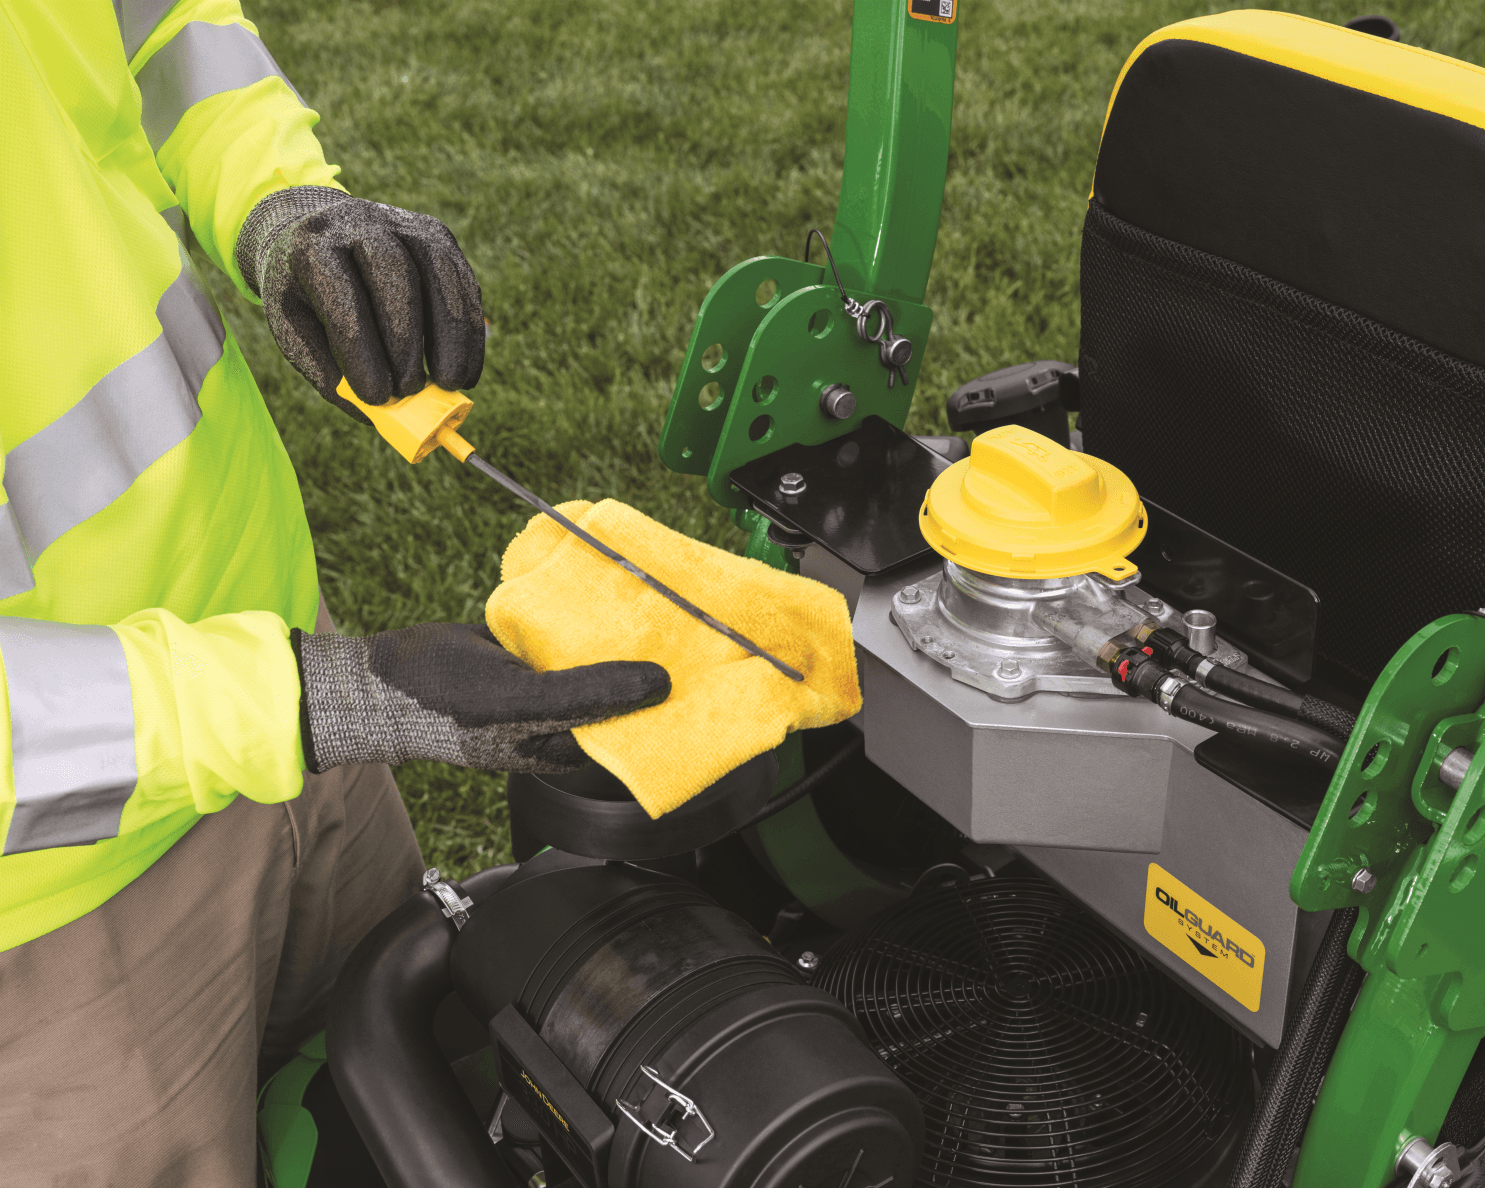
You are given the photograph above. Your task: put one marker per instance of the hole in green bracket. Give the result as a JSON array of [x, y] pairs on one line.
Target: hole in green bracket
[[710, 396], [1362, 808], [765, 390], [1463, 873], [760, 429], [713, 357], [1445, 666], [1375, 760], [687, 452], [820, 323], [768, 293], [1475, 830]]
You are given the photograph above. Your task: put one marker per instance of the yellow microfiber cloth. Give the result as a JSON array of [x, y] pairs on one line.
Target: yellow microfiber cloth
[[560, 604]]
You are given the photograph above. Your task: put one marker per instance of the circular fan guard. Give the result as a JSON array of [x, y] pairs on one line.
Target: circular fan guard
[[1045, 1050]]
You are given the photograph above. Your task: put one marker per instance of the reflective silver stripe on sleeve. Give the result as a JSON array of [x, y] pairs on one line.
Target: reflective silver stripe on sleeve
[[71, 733], [200, 61], [137, 20], [15, 566], [175, 218], [90, 455]]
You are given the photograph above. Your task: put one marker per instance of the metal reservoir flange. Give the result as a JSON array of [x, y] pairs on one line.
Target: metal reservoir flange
[[1037, 592]]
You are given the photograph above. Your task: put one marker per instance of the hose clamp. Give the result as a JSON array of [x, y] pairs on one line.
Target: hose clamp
[[676, 1110], [1166, 690], [1204, 669], [454, 908]]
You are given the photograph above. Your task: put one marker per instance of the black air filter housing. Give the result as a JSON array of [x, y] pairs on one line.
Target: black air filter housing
[[593, 972], [1045, 1051]]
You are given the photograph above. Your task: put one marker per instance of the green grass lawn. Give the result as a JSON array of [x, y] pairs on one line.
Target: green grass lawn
[[603, 162]]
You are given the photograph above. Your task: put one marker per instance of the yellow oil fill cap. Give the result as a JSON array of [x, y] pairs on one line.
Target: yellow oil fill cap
[[1022, 506]]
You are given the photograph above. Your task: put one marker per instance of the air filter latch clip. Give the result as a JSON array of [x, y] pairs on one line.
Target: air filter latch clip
[[664, 1130]]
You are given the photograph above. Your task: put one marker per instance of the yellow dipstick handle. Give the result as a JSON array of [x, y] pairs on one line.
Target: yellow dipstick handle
[[417, 425]]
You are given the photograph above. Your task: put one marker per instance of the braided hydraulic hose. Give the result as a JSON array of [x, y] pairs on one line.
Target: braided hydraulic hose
[[1169, 647], [1284, 1107]]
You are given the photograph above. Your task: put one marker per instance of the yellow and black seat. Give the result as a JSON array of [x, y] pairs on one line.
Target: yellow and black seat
[[1283, 295]]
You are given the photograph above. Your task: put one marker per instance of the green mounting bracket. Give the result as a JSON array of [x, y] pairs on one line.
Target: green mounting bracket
[[1421, 1012], [772, 334]]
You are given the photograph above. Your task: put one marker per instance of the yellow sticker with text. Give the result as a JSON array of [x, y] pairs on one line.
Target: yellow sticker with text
[[1204, 937], [939, 11]]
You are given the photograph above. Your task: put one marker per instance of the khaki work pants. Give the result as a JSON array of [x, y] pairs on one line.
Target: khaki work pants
[[132, 1040]]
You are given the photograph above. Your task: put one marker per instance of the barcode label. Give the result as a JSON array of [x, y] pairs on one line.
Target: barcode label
[[941, 12]]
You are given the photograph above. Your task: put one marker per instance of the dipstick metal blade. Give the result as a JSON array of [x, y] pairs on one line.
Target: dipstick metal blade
[[655, 584]]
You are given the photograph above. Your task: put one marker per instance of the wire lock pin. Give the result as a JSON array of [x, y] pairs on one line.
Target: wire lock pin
[[892, 348]]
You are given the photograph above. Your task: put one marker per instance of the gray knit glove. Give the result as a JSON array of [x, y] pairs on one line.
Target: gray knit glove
[[363, 290], [449, 692]]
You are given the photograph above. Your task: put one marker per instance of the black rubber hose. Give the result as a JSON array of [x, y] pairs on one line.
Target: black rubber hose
[[1283, 1108], [400, 1092], [1252, 691], [1258, 730], [1172, 648], [803, 786]]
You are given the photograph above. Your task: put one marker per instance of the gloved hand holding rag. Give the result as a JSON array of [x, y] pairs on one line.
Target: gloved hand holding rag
[[561, 604]]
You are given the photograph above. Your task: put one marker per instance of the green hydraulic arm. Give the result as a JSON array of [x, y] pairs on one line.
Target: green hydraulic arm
[[1399, 837], [773, 334]]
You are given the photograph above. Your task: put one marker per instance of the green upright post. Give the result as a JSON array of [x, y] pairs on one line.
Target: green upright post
[[1397, 841], [897, 148]]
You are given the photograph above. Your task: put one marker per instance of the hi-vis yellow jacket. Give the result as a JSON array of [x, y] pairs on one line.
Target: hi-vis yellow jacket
[[153, 544]]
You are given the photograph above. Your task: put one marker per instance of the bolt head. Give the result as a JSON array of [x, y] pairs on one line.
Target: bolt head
[[1363, 881], [910, 594], [1009, 669], [792, 483], [808, 961], [431, 878], [1155, 606]]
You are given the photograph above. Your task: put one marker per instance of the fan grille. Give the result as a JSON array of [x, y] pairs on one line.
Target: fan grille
[[1045, 1051]]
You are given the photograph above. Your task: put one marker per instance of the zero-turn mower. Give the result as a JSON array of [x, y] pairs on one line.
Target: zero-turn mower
[[1151, 858]]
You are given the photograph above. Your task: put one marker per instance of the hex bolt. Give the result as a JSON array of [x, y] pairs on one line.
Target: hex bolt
[[791, 483], [910, 594], [1009, 669], [808, 961], [838, 402], [1155, 606], [1363, 881]]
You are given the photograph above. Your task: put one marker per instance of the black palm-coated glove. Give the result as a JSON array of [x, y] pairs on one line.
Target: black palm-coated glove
[[357, 288], [449, 692]]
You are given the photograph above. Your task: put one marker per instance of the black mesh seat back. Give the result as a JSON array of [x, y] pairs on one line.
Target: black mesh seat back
[[1283, 291]]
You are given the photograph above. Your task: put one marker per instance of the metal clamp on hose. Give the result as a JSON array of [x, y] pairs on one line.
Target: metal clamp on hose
[[454, 908], [664, 1134]]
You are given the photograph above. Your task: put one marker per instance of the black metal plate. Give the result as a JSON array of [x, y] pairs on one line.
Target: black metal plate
[[1293, 791], [862, 493], [1268, 614]]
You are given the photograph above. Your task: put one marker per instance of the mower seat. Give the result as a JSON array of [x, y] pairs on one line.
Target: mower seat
[[1283, 312]]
